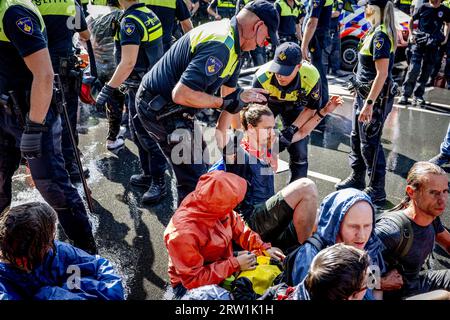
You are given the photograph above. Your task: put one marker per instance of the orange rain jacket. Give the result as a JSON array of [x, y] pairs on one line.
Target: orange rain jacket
[[200, 233]]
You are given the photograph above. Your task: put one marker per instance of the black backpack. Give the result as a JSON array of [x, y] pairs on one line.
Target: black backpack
[[406, 236], [288, 262]]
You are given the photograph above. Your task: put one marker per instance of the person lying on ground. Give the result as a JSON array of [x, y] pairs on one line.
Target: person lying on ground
[[200, 234], [33, 266]]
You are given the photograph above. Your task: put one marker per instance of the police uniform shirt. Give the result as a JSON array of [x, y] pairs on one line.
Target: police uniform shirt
[[337, 6], [131, 33], [224, 12], [199, 71], [168, 15], [311, 101], [61, 27], [431, 19], [23, 29], [317, 9], [380, 48], [288, 22]]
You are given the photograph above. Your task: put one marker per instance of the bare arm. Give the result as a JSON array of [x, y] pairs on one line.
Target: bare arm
[[127, 62], [185, 96], [311, 26], [186, 25], [40, 66]]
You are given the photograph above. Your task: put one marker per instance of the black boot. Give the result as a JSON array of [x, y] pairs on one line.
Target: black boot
[[156, 191], [376, 191], [356, 180], [141, 180]]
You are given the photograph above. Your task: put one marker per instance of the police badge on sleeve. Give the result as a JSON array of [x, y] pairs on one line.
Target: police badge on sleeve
[[25, 25], [379, 43], [129, 28], [212, 66]]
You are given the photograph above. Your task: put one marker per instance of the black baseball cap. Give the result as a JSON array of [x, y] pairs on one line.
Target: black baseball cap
[[266, 11], [379, 3], [287, 56]]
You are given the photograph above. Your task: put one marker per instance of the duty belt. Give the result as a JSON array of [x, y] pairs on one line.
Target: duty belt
[[163, 108]]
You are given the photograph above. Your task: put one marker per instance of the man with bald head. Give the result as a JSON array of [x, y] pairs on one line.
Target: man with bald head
[[188, 78]]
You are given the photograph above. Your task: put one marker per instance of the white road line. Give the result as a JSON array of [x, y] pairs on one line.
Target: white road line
[[323, 177]]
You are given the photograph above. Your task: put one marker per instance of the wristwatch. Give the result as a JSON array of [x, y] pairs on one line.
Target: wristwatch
[[369, 101]]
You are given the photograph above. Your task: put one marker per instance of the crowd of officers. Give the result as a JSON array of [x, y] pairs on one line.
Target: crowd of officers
[[167, 82]]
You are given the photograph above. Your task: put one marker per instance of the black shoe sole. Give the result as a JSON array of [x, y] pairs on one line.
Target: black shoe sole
[[140, 185], [362, 187]]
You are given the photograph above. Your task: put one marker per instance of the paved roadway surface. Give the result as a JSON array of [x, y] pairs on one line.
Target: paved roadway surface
[[130, 235]]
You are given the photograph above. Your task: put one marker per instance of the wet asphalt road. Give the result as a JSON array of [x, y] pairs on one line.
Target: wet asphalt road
[[131, 235]]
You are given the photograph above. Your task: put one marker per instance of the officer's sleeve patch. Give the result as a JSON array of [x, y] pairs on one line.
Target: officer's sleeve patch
[[316, 3], [212, 66], [315, 94], [25, 25], [129, 28], [378, 43]]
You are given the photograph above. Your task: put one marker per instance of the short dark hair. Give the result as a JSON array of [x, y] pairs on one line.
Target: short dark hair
[[27, 232], [337, 272]]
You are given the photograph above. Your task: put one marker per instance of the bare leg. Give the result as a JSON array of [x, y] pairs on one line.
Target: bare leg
[[302, 195]]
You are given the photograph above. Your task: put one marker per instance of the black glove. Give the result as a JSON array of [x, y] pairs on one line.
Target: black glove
[[104, 96], [31, 142], [286, 136], [232, 102]]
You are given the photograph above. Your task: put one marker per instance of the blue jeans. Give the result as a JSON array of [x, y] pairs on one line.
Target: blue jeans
[[445, 146]]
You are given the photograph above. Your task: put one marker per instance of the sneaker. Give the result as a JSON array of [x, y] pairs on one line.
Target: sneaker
[[419, 102], [141, 180], [114, 145], [403, 101], [440, 160]]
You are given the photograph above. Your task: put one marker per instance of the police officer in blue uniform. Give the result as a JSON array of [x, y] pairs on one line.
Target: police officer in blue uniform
[[373, 101], [316, 38], [138, 42], [30, 123], [220, 9], [424, 50], [294, 93], [333, 53], [291, 17], [189, 75], [168, 11], [62, 20]]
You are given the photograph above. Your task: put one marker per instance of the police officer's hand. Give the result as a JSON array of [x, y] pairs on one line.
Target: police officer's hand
[[366, 113], [305, 52], [104, 96], [256, 95], [286, 136], [238, 99], [31, 142], [333, 103]]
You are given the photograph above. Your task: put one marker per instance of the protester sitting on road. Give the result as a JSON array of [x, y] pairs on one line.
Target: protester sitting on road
[[285, 218], [33, 266], [346, 216], [200, 233], [338, 272], [425, 201]]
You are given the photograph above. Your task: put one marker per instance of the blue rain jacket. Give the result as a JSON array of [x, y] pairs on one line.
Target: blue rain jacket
[[332, 211], [54, 278]]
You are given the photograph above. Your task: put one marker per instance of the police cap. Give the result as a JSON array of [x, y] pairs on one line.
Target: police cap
[[266, 11]]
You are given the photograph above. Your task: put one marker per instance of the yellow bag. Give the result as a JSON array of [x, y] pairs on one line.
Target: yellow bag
[[262, 277]]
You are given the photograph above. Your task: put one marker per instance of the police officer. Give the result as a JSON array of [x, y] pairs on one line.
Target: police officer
[[138, 42], [187, 77], [316, 38], [291, 15], [84, 6], [219, 9], [373, 101], [294, 93], [333, 53], [30, 123], [62, 20], [425, 43], [404, 5], [168, 11]]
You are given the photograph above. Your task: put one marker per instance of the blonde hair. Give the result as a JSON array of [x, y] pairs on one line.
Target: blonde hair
[[385, 16]]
